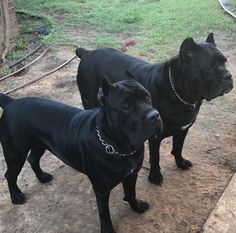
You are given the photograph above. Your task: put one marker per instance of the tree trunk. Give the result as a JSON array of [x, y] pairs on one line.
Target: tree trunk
[[6, 25]]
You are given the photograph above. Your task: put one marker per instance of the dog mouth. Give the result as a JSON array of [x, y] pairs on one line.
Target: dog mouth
[[219, 91], [228, 90], [147, 132], [139, 141]]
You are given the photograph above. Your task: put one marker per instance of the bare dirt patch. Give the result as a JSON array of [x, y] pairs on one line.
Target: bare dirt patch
[[180, 205]]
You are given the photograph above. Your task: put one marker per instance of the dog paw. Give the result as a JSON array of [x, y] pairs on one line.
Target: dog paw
[[45, 177], [184, 164], [155, 177], [140, 206], [18, 198], [110, 230]]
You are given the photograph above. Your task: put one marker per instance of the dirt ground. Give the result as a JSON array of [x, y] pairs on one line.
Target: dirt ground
[[181, 205]]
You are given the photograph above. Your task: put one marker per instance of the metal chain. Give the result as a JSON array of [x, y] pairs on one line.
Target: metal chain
[[173, 88], [109, 148]]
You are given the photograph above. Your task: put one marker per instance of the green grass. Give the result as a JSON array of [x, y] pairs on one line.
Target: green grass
[[103, 41], [20, 43], [16, 54], [156, 25], [233, 4], [4, 70], [20, 48]]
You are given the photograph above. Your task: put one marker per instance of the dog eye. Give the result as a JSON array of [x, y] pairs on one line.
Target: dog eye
[[148, 99], [221, 67], [125, 107], [209, 70]]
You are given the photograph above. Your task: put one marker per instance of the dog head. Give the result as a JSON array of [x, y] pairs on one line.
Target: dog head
[[128, 111], [203, 66]]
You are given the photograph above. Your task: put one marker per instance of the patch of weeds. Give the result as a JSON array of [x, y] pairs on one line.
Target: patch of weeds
[[16, 54], [21, 46], [9, 85], [20, 43], [4, 70]]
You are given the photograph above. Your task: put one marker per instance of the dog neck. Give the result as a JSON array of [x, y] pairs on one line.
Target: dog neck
[[113, 142], [177, 81], [109, 148], [172, 84]]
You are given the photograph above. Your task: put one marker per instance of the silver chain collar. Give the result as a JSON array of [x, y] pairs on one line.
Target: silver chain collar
[[174, 90], [109, 148]]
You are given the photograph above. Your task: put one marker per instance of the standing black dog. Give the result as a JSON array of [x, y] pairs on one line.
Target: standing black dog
[[106, 143], [177, 86]]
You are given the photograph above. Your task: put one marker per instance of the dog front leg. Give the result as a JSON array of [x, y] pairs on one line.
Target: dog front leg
[[129, 185], [178, 142], [104, 213], [155, 175]]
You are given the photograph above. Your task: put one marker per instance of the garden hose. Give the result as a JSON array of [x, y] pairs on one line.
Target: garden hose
[[32, 62], [227, 10]]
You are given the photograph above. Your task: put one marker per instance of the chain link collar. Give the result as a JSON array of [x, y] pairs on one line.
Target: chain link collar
[[174, 90], [109, 148]]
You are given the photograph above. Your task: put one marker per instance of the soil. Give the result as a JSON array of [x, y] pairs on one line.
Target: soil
[[181, 205]]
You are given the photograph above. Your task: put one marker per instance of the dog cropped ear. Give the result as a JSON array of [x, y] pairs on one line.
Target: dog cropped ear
[[104, 90], [210, 39], [129, 75], [187, 49]]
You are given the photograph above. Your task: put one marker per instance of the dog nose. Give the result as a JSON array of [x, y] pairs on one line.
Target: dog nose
[[153, 116], [228, 75]]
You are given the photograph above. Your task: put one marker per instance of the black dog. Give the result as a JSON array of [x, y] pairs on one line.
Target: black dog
[[177, 86], [106, 143]]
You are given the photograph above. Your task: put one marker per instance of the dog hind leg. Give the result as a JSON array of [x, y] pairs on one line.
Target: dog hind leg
[[34, 159]]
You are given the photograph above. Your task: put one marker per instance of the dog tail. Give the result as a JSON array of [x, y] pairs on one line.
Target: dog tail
[[80, 52], [5, 100]]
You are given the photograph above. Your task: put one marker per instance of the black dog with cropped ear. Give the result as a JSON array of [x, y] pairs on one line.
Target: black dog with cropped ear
[[177, 86], [106, 144]]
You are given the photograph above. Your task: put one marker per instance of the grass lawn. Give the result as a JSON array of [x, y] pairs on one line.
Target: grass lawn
[[156, 25]]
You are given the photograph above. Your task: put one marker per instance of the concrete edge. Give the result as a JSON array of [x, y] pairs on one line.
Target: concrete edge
[[223, 217]]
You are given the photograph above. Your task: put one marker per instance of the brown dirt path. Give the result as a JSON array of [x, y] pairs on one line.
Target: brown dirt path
[[180, 205]]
